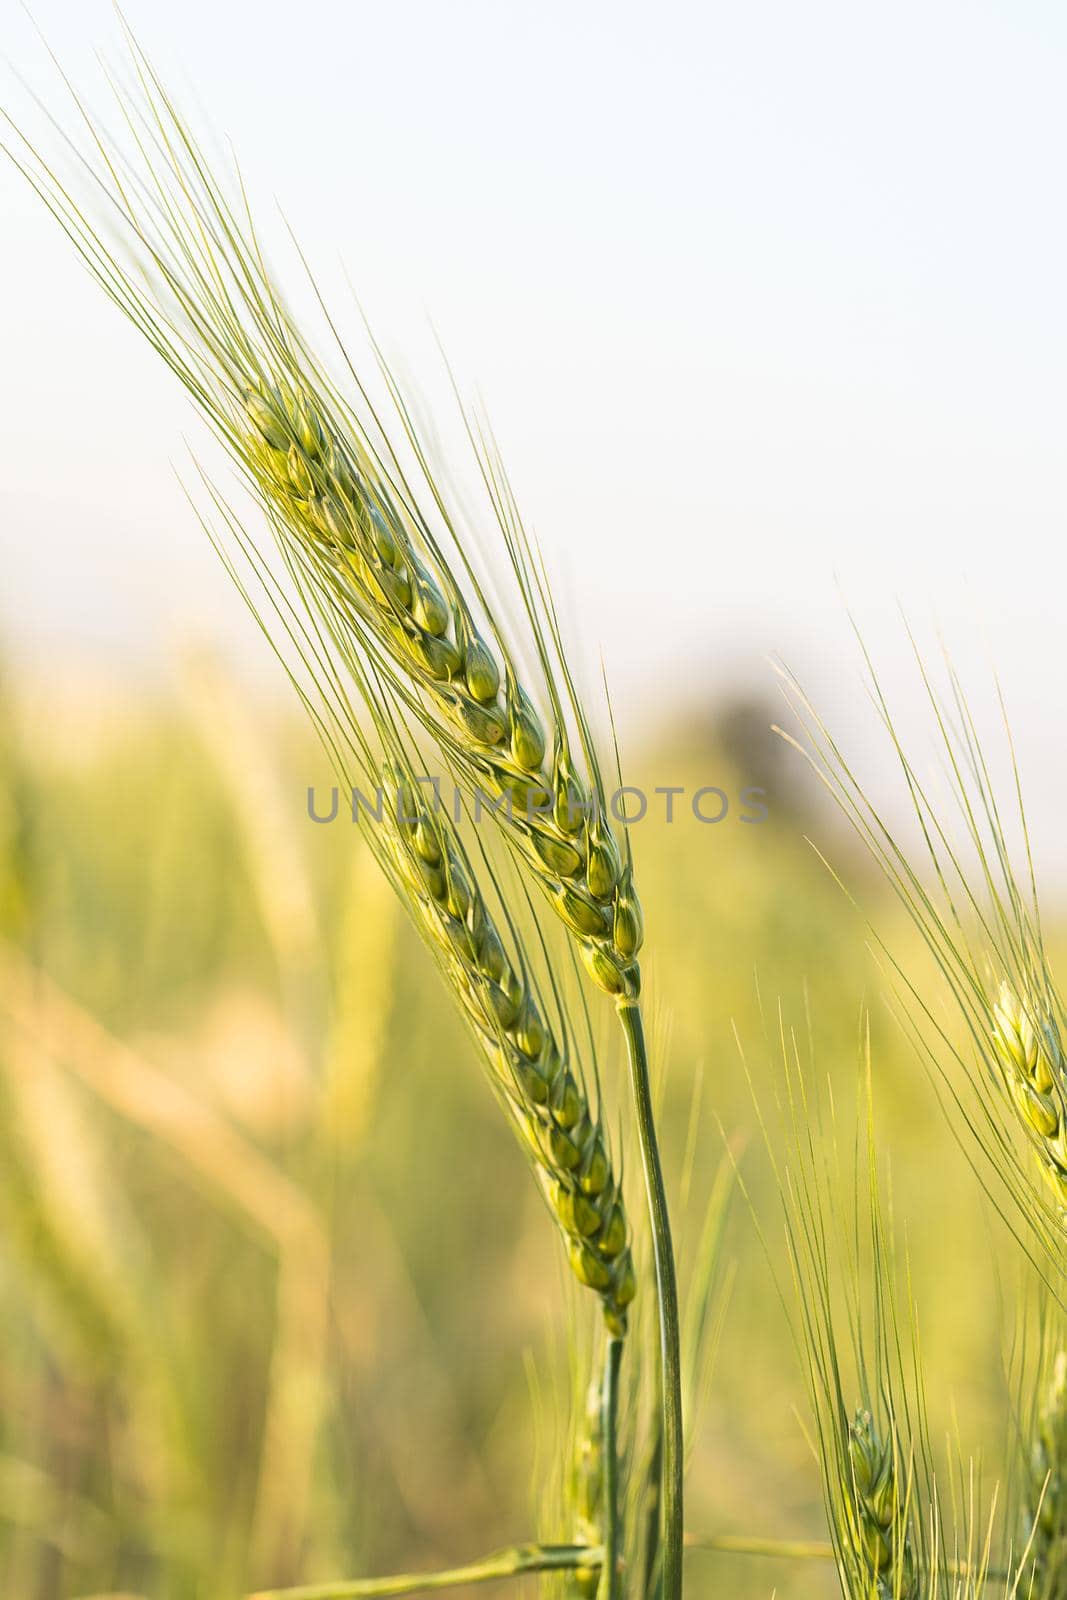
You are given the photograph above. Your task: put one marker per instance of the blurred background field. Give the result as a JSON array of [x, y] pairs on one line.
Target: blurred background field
[[272, 1271]]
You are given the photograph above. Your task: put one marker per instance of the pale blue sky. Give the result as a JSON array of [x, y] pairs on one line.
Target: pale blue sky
[[757, 295]]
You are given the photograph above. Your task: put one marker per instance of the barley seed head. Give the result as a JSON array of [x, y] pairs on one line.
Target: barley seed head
[[879, 1515], [1028, 1047]]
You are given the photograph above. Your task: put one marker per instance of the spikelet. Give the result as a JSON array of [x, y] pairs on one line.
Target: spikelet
[[1044, 1528], [878, 1514], [529, 1062], [1029, 1050], [403, 603]]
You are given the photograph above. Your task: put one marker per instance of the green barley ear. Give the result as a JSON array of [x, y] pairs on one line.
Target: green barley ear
[[978, 916], [877, 1509], [1044, 1529], [856, 1335], [1031, 1055]]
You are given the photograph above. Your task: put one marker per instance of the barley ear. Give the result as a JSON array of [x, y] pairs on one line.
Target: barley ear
[[877, 1507], [1028, 1047], [969, 886]]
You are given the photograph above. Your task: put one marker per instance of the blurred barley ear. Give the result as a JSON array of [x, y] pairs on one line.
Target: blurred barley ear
[[84, 1258], [364, 988], [32, 1500], [296, 1402], [269, 837], [231, 1171], [587, 1488]]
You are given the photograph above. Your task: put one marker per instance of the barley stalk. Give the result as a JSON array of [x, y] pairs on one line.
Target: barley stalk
[[673, 1446], [594, 1487], [515, 1562]]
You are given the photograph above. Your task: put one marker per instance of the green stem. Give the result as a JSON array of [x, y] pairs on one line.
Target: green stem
[[667, 1294], [608, 1588], [510, 1563]]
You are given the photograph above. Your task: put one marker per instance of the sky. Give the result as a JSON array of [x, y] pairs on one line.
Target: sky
[[766, 303]]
